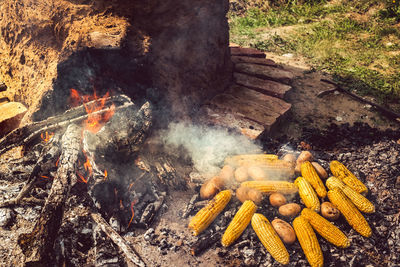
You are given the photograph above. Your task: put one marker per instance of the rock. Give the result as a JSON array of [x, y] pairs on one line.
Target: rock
[[10, 116], [265, 72], [288, 55], [263, 86], [338, 118], [398, 182]]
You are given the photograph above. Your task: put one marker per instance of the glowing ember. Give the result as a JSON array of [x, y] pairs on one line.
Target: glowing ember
[[82, 178], [105, 174], [87, 165], [58, 160], [47, 136], [45, 177], [133, 212], [94, 122]]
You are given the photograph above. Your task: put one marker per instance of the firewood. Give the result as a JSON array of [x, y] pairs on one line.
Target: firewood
[[25, 134], [38, 244], [119, 241], [204, 243]]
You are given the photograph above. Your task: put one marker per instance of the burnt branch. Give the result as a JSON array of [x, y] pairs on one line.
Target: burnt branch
[[38, 244], [118, 240], [26, 134]]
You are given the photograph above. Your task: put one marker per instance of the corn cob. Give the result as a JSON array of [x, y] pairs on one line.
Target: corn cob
[[326, 229], [250, 159], [311, 175], [349, 211], [340, 171], [207, 215], [269, 238], [270, 187], [308, 241], [239, 223], [361, 202], [307, 194]]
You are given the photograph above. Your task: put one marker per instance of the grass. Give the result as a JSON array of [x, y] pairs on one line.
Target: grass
[[358, 44]]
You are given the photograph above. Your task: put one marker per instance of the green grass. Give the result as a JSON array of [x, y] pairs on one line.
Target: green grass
[[359, 48]]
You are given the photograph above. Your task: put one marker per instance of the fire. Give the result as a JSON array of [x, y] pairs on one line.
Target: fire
[[133, 212], [88, 167], [47, 136], [94, 122], [105, 174], [82, 178], [45, 177]]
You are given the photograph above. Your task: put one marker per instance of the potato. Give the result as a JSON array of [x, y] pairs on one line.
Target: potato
[[329, 211], [211, 187], [304, 156], [320, 170], [227, 173], [241, 174], [284, 230], [257, 173], [244, 193], [291, 158], [277, 199], [289, 210]]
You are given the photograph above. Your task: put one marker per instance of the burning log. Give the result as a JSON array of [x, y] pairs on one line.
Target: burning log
[[37, 245], [26, 134]]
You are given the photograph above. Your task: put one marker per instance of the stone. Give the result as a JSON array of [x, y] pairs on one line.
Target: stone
[[265, 72], [254, 60], [11, 114], [267, 87]]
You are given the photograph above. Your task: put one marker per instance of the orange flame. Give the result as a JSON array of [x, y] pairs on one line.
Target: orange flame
[[45, 177], [47, 136], [105, 174], [133, 212], [58, 160], [82, 178], [94, 122]]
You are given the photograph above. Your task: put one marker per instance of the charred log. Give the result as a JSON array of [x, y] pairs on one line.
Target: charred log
[[38, 244]]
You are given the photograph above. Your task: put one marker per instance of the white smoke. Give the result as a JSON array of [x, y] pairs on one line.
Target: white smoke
[[208, 147]]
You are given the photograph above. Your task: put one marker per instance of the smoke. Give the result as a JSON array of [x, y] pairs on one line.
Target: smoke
[[208, 147]]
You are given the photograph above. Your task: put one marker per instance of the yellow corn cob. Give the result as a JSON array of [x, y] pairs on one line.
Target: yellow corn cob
[[361, 202], [207, 215], [349, 211], [239, 223], [311, 175], [270, 187], [250, 159], [340, 171], [307, 194], [269, 238], [326, 229], [308, 241]]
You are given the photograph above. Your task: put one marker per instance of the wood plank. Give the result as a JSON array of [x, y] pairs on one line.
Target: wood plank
[[265, 72], [248, 52], [11, 114], [232, 120], [254, 60], [267, 87]]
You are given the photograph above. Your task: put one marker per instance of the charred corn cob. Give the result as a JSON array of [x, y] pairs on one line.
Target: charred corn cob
[[250, 159], [326, 229], [239, 223], [311, 175], [207, 215], [349, 211], [340, 171], [307, 194], [270, 187], [269, 238], [308, 241], [361, 202]]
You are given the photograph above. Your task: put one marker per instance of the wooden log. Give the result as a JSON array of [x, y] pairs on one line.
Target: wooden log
[[204, 243], [27, 133], [120, 242], [38, 244]]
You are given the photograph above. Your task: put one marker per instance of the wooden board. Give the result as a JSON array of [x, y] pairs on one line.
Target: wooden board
[[265, 72]]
